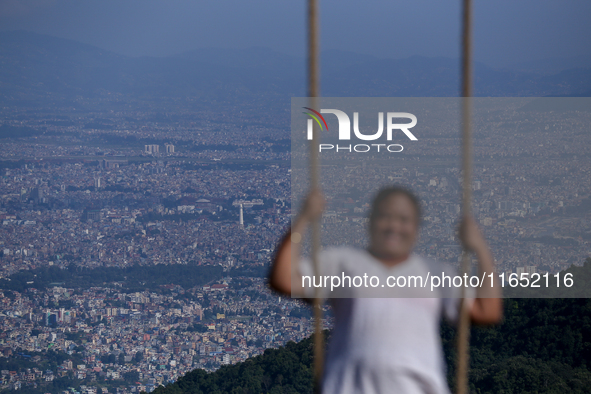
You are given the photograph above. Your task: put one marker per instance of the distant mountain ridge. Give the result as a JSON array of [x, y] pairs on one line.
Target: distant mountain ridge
[[37, 69], [551, 66]]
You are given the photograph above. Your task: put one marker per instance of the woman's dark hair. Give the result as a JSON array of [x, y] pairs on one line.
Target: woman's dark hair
[[384, 193]]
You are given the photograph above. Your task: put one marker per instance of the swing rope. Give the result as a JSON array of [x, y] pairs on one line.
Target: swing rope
[[466, 91], [463, 336], [313, 93]]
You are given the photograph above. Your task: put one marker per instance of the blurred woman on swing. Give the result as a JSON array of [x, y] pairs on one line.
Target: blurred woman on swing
[[385, 345]]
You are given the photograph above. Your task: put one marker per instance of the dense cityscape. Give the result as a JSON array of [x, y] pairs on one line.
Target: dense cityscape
[[145, 339], [85, 194]]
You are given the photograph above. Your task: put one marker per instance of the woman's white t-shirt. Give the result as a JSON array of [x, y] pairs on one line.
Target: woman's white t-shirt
[[384, 345]]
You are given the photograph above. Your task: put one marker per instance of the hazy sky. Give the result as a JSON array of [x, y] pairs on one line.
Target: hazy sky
[[506, 31]]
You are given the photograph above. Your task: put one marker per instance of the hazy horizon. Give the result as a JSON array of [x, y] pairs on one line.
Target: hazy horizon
[[505, 33]]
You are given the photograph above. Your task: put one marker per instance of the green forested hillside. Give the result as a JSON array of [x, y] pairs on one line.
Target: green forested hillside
[[285, 370], [543, 346]]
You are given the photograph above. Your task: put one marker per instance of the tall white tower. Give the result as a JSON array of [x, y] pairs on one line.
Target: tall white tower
[[241, 215]]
